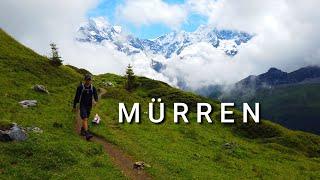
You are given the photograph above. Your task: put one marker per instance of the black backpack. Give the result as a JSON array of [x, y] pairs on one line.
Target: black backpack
[[83, 88]]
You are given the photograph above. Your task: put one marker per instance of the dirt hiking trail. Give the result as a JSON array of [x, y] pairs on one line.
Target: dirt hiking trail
[[119, 158]]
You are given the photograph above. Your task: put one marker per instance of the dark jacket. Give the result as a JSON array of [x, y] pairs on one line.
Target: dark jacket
[[84, 96]]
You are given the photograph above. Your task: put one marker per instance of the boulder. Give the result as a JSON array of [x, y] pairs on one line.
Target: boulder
[[28, 103], [139, 165], [15, 133], [40, 88]]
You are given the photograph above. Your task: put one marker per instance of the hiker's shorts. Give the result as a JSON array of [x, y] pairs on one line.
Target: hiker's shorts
[[85, 112]]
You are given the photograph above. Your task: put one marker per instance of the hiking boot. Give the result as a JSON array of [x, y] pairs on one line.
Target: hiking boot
[[88, 135], [82, 132]]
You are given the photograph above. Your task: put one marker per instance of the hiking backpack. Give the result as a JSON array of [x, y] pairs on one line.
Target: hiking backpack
[[83, 88]]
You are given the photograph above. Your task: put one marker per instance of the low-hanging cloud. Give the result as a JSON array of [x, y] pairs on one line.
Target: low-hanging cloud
[[286, 37]]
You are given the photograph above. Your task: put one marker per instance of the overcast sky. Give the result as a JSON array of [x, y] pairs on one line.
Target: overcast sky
[[287, 32]]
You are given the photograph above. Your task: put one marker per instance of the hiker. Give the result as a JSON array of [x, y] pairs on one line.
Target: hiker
[[84, 94]]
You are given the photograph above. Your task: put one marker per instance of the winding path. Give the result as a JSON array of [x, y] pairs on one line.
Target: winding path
[[119, 158]]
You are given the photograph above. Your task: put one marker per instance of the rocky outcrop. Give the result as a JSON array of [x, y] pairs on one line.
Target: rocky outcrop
[[15, 133]]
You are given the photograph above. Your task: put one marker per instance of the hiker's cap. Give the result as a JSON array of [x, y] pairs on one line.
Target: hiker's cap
[[87, 77]]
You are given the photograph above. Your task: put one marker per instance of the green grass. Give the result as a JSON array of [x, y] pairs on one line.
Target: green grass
[[58, 152], [198, 151], [184, 151]]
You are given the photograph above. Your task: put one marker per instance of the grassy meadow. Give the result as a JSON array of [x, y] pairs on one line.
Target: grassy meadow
[[174, 151]]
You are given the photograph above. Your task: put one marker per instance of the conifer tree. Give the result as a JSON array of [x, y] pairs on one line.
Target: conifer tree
[[130, 78], [55, 58]]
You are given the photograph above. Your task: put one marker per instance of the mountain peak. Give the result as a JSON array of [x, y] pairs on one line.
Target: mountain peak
[[100, 23], [173, 43], [274, 70], [117, 29], [276, 77]]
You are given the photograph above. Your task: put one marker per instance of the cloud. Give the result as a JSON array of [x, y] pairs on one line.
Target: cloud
[[146, 12], [201, 64], [38, 23], [286, 37]]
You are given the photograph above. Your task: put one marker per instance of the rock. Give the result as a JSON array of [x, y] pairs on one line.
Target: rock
[[229, 145], [4, 136], [37, 130], [108, 84], [139, 165], [40, 88], [34, 129], [15, 133], [28, 103]]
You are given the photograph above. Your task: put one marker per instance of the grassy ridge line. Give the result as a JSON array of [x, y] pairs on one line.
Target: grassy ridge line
[[57, 153]]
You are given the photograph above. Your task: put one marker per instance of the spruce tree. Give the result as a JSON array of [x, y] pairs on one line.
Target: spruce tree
[[130, 78], [55, 58]]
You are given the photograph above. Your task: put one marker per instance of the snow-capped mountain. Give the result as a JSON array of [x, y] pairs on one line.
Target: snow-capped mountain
[[97, 30], [170, 57]]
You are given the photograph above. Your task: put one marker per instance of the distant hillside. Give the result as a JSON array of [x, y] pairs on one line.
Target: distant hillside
[[173, 151], [290, 99], [276, 77]]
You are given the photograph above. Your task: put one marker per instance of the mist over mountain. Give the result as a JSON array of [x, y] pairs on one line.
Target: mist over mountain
[[290, 99], [284, 36], [276, 77], [158, 58], [171, 57]]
